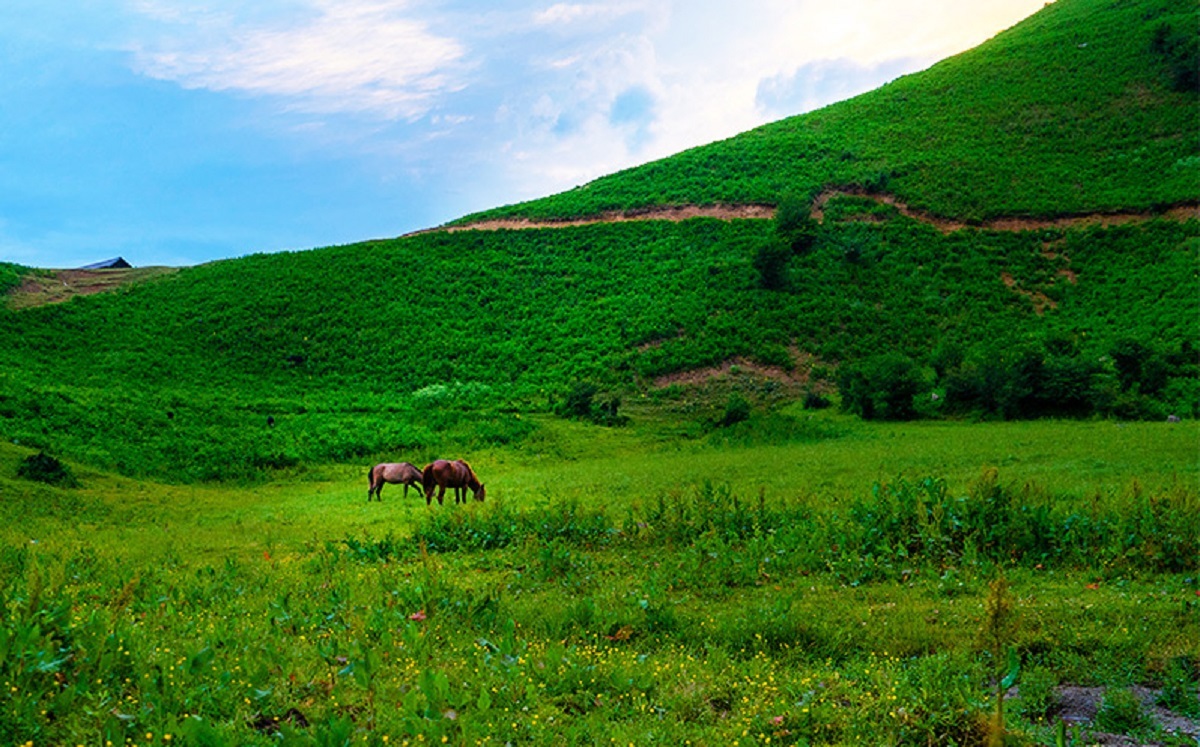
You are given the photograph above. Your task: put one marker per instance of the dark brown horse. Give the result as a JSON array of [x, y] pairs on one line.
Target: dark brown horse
[[402, 473], [457, 474]]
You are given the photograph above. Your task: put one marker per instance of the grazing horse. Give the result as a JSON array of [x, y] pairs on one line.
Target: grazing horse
[[457, 474], [403, 473]]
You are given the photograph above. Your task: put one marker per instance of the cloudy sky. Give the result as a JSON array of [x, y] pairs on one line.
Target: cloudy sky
[[181, 131]]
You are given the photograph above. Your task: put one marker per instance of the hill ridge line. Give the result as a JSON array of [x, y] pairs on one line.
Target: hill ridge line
[[676, 213]]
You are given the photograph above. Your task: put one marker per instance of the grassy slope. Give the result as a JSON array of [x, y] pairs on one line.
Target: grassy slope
[[375, 348], [186, 371], [1068, 112]]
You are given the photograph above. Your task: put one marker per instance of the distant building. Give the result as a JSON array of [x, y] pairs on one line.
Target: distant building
[[116, 263]]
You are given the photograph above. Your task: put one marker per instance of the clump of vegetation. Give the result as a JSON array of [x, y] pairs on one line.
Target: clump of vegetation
[[1039, 700], [582, 402], [1177, 43], [43, 467], [796, 233], [10, 276], [882, 387], [1179, 691], [1122, 712], [737, 410]]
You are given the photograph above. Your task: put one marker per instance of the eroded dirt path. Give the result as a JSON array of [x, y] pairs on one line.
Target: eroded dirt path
[[674, 214], [947, 225], [766, 212]]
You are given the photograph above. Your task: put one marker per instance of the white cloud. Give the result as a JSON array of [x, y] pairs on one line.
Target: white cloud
[[714, 70], [365, 56], [571, 14]]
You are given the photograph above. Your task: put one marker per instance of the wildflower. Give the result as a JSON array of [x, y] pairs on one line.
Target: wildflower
[[419, 615]]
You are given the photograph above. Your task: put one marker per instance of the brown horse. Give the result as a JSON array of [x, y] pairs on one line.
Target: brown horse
[[403, 473], [457, 474]]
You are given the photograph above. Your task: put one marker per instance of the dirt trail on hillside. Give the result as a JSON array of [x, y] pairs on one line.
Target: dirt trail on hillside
[[948, 225], [673, 213], [766, 212]]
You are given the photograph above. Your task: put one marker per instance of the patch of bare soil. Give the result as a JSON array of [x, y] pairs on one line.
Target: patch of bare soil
[[797, 376], [56, 286], [766, 212], [672, 213], [1040, 300], [1080, 705], [948, 225]]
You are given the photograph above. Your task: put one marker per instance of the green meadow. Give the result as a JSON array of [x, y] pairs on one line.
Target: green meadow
[[915, 462], [863, 584]]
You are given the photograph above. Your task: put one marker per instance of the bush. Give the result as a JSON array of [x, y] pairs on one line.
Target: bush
[[814, 400], [737, 409], [795, 225], [44, 468], [882, 387], [581, 403], [1181, 51], [771, 261], [578, 402]]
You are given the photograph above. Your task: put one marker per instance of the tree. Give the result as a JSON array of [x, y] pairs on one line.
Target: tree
[[882, 387]]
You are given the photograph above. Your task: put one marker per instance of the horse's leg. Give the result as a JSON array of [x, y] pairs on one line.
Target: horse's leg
[[441, 493]]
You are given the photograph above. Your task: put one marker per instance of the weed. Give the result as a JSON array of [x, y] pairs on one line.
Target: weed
[[1122, 712]]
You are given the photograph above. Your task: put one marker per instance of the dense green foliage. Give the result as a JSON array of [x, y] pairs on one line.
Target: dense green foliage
[[732, 566], [44, 468], [10, 276], [1077, 109], [440, 341], [1175, 38], [453, 333]]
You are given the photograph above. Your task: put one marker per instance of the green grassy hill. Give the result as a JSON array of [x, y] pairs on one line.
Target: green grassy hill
[[276, 362], [1083, 107]]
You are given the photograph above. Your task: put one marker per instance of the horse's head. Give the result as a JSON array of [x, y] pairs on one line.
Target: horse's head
[[481, 493]]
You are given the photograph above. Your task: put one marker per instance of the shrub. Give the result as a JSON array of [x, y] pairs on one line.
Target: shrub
[[771, 261], [795, 225], [44, 468], [581, 403], [882, 387], [578, 402], [737, 409], [1180, 49], [814, 400]]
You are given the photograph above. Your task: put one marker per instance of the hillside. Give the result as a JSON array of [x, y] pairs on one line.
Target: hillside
[[274, 362], [1075, 110]]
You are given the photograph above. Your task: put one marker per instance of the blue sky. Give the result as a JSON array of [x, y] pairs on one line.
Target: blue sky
[[181, 131]]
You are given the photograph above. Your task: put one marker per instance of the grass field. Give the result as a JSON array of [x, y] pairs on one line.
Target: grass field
[[638, 585], [725, 568]]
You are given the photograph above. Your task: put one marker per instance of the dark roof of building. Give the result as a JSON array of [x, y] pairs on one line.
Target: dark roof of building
[[108, 264]]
